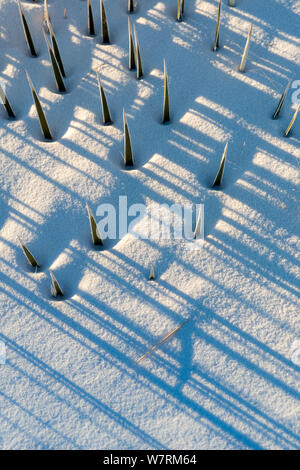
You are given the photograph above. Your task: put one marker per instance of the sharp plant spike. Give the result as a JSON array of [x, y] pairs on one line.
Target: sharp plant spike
[[182, 6], [29, 256], [6, 103], [56, 69], [128, 156], [104, 28], [97, 240], [166, 107], [199, 229], [152, 274], [217, 35], [281, 101], [46, 12], [56, 290], [179, 10], [218, 179], [132, 64], [139, 67], [27, 31], [104, 104], [130, 6], [246, 50], [41, 115], [292, 121], [91, 24], [165, 338], [56, 49]]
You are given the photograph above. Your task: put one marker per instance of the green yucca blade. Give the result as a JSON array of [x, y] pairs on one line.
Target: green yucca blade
[[104, 104], [130, 6], [289, 128], [179, 10], [218, 179], [246, 50], [56, 49], [91, 24], [128, 155], [56, 70], [166, 107], [41, 115], [55, 287], [131, 48], [28, 36], [217, 35], [139, 67], [281, 101], [29, 256], [104, 29], [97, 240], [165, 338], [6, 103]]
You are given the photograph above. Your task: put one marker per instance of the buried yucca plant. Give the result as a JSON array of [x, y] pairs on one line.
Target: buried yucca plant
[[289, 128], [218, 178], [130, 6], [104, 104], [29, 256], [217, 35], [131, 64], [56, 49], [165, 338], [246, 50], [56, 290], [56, 69], [27, 33], [139, 67], [97, 240], [166, 106], [104, 25], [91, 24], [281, 101], [128, 155], [40, 112], [6, 103]]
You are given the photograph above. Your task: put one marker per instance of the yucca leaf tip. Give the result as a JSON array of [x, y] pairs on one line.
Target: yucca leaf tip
[[56, 69], [139, 67], [217, 34], [97, 240], [104, 25], [128, 155], [27, 33], [91, 23], [105, 109], [166, 104], [246, 50], [29, 256], [6, 103], [131, 64], [289, 128], [56, 290], [282, 99], [219, 176], [56, 49], [41, 115]]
